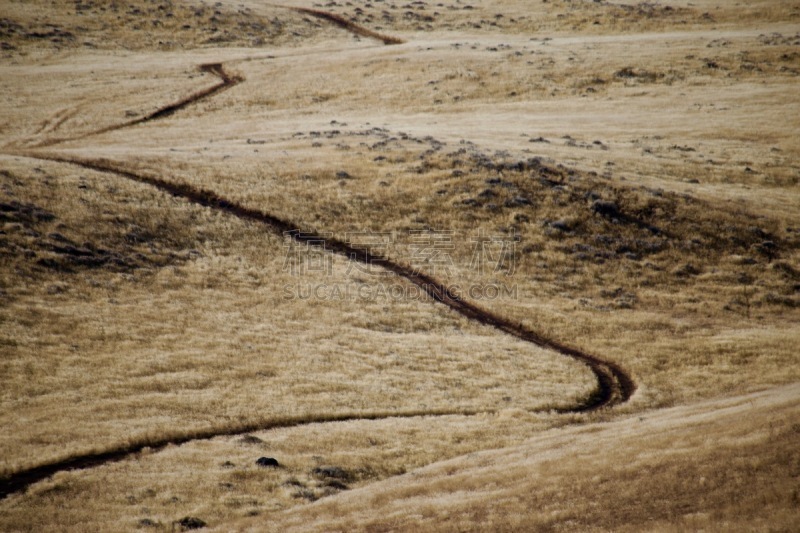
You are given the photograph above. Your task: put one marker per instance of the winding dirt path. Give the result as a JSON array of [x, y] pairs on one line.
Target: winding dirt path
[[614, 385], [226, 82], [343, 22]]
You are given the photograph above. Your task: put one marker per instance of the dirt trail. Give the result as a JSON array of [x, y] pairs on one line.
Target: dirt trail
[[226, 82], [52, 124], [342, 22], [614, 384], [21, 480]]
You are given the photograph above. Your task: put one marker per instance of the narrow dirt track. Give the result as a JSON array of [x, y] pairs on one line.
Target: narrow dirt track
[[342, 22], [226, 82], [614, 385], [21, 480]]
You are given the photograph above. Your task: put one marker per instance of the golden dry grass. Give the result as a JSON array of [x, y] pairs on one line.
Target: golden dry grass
[[724, 465], [166, 319], [228, 330], [33, 27]]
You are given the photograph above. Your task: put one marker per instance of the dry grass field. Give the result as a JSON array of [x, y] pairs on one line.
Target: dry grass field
[[614, 181]]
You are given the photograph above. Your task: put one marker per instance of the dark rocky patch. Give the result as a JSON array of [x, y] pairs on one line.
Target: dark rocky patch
[[34, 239], [190, 522], [267, 462], [343, 175], [606, 209], [15, 211]]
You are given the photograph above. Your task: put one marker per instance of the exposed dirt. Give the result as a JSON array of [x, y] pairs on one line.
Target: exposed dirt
[[347, 24], [216, 69]]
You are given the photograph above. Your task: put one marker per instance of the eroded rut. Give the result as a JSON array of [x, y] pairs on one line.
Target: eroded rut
[[226, 82], [614, 385], [348, 25]]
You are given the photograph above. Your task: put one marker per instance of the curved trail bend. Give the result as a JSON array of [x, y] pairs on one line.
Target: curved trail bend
[[226, 82], [614, 385]]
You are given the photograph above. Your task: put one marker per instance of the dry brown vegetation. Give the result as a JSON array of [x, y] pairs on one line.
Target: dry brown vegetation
[[656, 472], [28, 27], [634, 166]]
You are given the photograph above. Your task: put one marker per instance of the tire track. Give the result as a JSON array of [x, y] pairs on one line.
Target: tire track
[[342, 22], [23, 479], [614, 385], [53, 123], [226, 82]]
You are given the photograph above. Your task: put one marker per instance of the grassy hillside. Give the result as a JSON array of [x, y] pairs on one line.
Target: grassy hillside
[[724, 465], [619, 178]]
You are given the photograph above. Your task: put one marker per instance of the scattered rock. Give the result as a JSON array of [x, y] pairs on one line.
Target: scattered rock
[[267, 462], [190, 522], [606, 208]]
